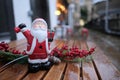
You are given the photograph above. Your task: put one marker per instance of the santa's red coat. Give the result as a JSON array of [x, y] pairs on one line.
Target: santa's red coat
[[40, 49]]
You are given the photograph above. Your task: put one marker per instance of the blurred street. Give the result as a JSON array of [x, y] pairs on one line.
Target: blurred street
[[110, 44]]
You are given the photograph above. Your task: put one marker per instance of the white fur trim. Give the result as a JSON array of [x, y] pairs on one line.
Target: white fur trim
[[47, 49], [24, 29], [32, 47], [37, 60]]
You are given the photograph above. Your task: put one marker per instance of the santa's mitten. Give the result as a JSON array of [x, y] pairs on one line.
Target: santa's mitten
[[21, 26], [54, 59]]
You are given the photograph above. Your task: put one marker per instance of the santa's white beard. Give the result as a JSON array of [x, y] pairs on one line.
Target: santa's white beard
[[39, 34]]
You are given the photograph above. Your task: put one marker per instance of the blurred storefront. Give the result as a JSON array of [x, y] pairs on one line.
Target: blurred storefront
[[107, 14], [14, 12]]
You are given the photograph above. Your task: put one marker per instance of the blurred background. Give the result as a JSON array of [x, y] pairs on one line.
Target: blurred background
[[68, 18]]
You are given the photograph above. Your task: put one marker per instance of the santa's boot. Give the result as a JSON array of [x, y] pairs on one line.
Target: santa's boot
[[46, 66], [34, 67]]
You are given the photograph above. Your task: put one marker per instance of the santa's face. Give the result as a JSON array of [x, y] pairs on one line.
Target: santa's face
[[39, 30]]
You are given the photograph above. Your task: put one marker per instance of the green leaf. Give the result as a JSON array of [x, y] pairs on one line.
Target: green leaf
[[8, 56]]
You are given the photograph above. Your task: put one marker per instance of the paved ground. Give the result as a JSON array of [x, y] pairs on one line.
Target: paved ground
[[109, 44]]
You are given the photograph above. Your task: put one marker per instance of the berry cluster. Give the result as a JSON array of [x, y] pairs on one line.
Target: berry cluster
[[71, 53], [6, 48]]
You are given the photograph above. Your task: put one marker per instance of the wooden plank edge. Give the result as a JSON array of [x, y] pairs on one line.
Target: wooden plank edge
[[88, 69]]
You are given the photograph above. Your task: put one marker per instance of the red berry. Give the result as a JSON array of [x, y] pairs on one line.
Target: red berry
[[1, 48], [24, 53]]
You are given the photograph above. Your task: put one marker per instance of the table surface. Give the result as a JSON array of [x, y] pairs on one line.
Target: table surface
[[99, 68]]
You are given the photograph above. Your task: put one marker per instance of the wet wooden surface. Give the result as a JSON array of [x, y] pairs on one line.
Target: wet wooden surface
[[99, 68], [72, 69], [106, 70], [88, 69]]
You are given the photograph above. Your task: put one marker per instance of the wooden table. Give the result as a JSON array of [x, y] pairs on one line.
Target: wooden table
[[99, 68]]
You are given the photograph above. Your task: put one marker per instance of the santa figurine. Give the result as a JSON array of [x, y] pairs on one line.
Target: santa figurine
[[37, 45]]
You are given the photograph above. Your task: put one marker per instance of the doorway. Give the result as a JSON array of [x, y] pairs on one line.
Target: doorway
[[40, 9], [7, 20]]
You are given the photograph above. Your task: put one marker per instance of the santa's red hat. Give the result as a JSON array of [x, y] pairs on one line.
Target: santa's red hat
[[39, 19]]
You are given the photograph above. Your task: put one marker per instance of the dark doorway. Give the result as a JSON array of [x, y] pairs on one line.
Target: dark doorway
[[40, 9], [7, 20]]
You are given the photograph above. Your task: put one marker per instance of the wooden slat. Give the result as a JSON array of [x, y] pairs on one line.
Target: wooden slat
[[21, 48], [55, 43], [20, 45], [55, 72], [83, 45], [106, 70], [77, 43], [70, 43], [16, 43], [73, 69], [15, 72], [35, 76], [88, 70], [72, 72]]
